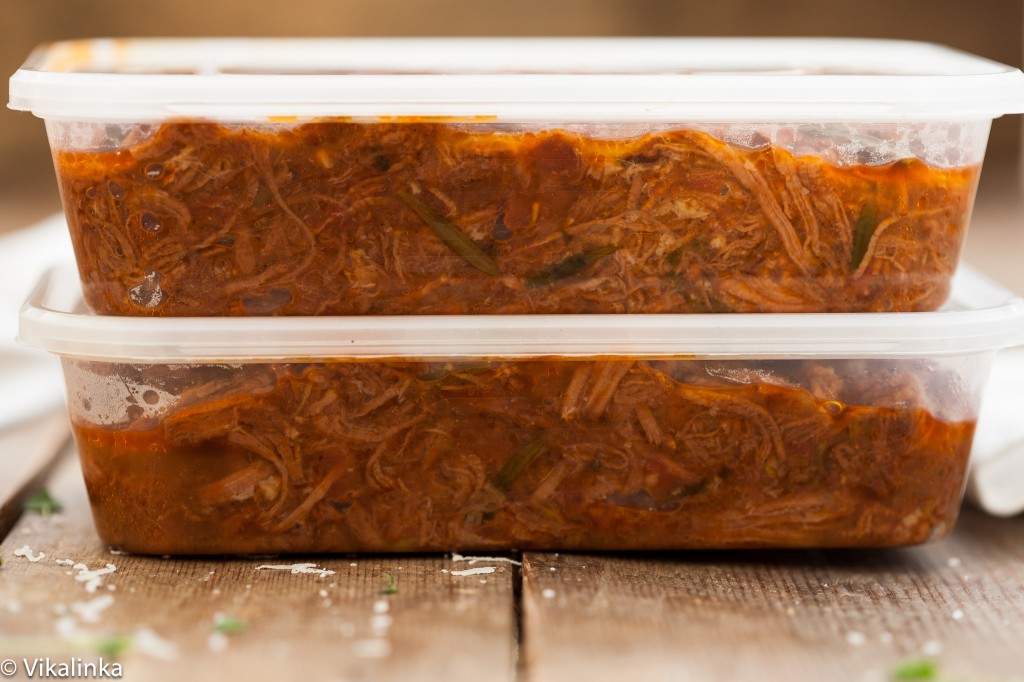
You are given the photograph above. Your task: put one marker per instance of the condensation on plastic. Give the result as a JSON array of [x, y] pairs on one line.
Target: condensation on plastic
[[106, 393], [942, 144], [847, 101]]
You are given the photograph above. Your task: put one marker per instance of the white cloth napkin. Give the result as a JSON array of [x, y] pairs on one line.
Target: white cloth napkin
[[30, 380], [997, 461]]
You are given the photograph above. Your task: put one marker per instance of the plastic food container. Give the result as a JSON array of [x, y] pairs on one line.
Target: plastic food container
[[428, 176], [433, 433]]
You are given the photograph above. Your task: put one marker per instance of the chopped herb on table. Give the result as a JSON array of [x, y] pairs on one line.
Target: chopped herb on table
[[391, 587], [916, 670], [230, 625], [113, 646], [40, 502]]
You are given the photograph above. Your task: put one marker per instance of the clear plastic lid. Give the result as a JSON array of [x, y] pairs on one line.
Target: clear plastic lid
[[520, 79], [980, 317]]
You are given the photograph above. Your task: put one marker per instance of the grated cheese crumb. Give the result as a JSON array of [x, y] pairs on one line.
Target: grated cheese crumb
[[26, 551], [296, 569], [953, 562], [380, 623], [958, 614], [475, 571], [92, 579], [548, 593], [89, 611], [931, 648], [14, 606], [381, 606], [371, 648], [855, 638], [64, 562], [153, 645], [475, 559], [217, 642], [65, 627]]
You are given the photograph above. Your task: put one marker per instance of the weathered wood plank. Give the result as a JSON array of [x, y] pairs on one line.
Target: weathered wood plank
[[27, 452], [815, 615], [437, 626]]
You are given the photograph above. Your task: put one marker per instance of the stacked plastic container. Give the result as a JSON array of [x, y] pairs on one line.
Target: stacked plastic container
[[418, 295]]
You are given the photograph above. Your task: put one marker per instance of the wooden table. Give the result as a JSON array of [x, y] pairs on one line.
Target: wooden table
[[793, 615]]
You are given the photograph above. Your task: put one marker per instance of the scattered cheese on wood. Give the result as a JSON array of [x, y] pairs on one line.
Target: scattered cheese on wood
[[89, 611], [92, 579], [380, 623], [381, 606], [153, 645], [371, 648], [217, 642], [296, 569], [548, 593], [26, 551], [65, 627], [475, 571], [64, 562], [475, 559]]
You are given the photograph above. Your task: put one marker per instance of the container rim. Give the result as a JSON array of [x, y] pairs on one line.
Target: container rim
[[981, 316], [514, 79]]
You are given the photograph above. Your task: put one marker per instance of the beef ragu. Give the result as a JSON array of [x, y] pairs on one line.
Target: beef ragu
[[556, 453], [421, 217]]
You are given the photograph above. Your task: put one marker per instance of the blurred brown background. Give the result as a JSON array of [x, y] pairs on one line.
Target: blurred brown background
[[992, 28]]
